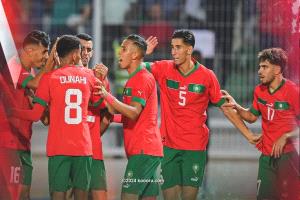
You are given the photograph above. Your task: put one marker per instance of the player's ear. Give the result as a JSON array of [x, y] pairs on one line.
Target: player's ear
[[190, 50], [277, 69]]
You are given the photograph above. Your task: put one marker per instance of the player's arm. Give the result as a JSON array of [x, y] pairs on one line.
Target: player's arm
[[232, 115], [278, 146], [247, 114], [31, 115], [131, 111]]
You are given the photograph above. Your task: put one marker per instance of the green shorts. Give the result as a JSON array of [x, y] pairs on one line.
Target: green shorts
[[278, 178], [183, 168], [98, 179], [64, 171], [26, 161], [141, 176]]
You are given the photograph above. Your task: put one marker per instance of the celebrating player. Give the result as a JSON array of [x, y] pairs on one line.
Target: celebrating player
[[139, 117], [68, 90], [186, 88], [276, 99]]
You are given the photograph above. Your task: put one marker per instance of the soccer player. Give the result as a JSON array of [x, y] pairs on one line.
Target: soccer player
[[186, 88], [34, 54], [68, 90], [142, 139], [98, 177], [276, 99]]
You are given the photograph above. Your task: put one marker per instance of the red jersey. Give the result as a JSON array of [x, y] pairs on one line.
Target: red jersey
[[184, 100], [67, 90], [280, 113], [94, 124], [142, 136], [23, 132]]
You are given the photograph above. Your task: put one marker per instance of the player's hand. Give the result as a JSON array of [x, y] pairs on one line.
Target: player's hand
[[99, 89], [100, 71], [278, 146], [152, 42], [53, 58], [255, 139], [230, 102]]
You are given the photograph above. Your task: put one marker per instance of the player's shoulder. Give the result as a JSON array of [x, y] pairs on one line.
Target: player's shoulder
[[260, 88], [164, 63], [291, 86]]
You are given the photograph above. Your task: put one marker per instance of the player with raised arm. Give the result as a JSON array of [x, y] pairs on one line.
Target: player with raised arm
[[186, 88], [142, 139], [98, 175], [276, 99], [69, 148]]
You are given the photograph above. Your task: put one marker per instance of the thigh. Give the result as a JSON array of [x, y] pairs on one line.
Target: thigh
[[288, 176], [266, 180], [98, 175], [193, 167], [81, 172], [59, 170], [141, 175], [26, 160], [171, 168]]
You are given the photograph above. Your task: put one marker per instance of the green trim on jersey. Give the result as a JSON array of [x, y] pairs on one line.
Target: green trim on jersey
[[219, 103], [127, 92], [39, 101], [281, 84], [197, 88], [281, 105], [24, 83], [139, 100], [96, 104], [254, 112], [148, 66], [172, 84], [196, 66], [261, 101], [136, 71]]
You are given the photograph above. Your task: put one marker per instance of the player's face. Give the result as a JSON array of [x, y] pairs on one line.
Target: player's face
[[125, 54], [86, 51], [180, 51], [38, 54], [267, 72]]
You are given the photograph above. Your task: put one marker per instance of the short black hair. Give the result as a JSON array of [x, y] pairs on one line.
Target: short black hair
[[275, 56], [84, 36], [37, 37], [139, 41], [186, 35], [66, 44]]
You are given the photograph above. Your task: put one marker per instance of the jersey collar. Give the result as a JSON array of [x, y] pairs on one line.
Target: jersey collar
[[136, 71], [281, 84], [196, 66]]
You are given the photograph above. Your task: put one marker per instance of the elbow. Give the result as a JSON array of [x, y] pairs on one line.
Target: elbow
[[134, 116]]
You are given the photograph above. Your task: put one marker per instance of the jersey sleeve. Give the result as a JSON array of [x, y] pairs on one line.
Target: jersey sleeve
[[214, 91], [24, 78], [254, 109], [42, 95], [157, 69]]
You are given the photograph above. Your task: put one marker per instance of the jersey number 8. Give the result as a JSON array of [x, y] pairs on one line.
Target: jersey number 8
[[73, 105]]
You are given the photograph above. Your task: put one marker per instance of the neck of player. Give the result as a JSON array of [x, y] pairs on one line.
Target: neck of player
[[133, 66], [275, 83], [187, 66]]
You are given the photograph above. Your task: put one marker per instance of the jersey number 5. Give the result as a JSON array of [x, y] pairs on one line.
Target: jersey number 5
[[73, 106], [182, 98]]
